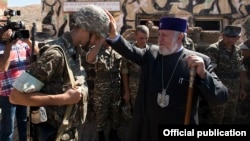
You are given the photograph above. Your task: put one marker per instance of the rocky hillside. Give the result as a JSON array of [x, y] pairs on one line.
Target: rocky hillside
[[29, 14]]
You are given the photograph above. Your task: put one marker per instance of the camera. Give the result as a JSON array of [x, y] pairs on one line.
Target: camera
[[10, 12], [18, 28]]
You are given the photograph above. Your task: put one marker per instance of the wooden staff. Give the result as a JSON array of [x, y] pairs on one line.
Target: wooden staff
[[189, 96], [30, 127]]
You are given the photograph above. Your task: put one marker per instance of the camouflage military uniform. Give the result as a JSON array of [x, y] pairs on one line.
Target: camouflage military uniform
[[227, 67], [133, 70], [243, 111], [107, 89], [50, 68], [188, 43], [91, 76], [87, 131], [243, 105]]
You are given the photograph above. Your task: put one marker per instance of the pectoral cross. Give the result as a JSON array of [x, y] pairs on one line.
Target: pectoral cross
[[163, 99]]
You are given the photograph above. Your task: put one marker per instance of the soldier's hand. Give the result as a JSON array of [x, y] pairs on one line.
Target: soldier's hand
[[72, 96]]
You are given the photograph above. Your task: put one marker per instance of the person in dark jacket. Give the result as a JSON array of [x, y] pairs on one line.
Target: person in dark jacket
[[164, 82]]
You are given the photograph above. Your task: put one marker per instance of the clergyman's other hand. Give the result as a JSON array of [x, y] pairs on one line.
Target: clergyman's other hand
[[113, 31]]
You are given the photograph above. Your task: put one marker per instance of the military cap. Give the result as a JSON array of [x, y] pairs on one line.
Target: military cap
[[232, 31], [93, 19], [171, 23]]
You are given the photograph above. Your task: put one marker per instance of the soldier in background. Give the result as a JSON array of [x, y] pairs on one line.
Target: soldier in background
[[153, 32], [244, 98], [106, 97], [130, 73], [226, 59], [150, 24], [87, 130], [188, 42]]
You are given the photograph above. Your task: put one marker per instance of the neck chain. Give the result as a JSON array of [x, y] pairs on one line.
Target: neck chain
[[164, 90], [163, 98]]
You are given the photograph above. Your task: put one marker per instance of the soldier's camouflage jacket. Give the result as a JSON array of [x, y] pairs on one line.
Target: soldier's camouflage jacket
[[227, 64], [50, 68], [133, 70]]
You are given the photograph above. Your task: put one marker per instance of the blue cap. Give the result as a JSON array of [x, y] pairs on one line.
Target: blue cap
[[171, 23]]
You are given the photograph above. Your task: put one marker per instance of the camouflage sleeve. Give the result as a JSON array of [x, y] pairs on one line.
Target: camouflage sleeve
[[212, 52], [49, 63], [192, 44], [124, 66]]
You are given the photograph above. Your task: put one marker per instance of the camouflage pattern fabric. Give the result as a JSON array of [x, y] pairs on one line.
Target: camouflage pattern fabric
[[107, 89], [246, 59], [227, 67], [50, 68], [86, 16], [243, 105], [243, 116], [188, 43], [91, 76], [133, 71], [246, 63], [134, 77], [87, 131]]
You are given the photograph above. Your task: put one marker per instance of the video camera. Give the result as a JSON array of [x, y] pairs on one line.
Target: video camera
[[18, 28]]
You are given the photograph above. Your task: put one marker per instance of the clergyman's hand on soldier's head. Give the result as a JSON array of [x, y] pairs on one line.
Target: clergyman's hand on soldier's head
[[113, 31]]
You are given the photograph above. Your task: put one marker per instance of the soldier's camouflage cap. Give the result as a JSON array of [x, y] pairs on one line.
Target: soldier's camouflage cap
[[93, 19], [232, 31]]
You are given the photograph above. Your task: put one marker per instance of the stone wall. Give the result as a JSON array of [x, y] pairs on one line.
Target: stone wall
[[55, 21]]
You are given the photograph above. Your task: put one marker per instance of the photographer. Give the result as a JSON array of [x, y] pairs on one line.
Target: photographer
[[14, 57]]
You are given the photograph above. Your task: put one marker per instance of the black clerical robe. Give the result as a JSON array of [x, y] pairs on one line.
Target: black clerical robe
[[157, 73]]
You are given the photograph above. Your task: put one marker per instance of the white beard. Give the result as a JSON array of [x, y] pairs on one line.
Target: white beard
[[168, 51]]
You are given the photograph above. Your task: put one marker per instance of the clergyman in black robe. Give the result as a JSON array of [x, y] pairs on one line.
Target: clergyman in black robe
[[164, 81]]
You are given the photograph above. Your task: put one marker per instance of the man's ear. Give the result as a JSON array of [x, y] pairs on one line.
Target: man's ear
[[180, 37]]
